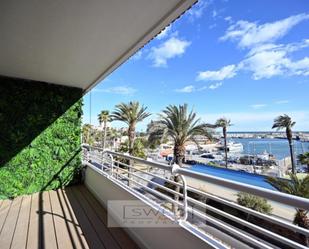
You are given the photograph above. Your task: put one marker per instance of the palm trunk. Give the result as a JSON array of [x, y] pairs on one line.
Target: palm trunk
[[178, 158], [104, 136], [178, 154], [225, 145], [131, 135], [292, 157], [291, 153], [289, 136]]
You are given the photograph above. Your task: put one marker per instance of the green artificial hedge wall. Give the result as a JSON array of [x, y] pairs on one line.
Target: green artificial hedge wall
[[40, 136]]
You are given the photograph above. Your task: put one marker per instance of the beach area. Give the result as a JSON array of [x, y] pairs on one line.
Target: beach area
[[279, 210]]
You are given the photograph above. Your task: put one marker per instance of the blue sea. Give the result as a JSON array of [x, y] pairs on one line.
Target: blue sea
[[278, 147]]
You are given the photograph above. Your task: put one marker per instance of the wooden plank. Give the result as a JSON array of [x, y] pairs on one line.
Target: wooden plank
[[104, 235], [90, 233], [122, 238], [9, 225], [4, 210], [50, 241], [20, 236], [34, 233], [63, 231], [76, 232]]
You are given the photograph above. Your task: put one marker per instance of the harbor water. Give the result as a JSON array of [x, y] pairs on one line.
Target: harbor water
[[278, 147]]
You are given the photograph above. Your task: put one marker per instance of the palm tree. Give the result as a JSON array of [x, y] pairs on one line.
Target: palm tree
[[113, 135], [304, 159], [299, 187], [285, 122], [104, 117], [130, 113], [86, 133], [181, 126], [224, 124]]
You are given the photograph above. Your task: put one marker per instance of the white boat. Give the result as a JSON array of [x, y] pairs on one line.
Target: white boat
[[232, 147], [235, 147], [265, 155]]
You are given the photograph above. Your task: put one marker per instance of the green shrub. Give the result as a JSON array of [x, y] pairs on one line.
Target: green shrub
[[254, 202], [138, 148]]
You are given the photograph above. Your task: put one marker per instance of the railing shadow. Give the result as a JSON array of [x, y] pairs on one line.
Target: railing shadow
[[64, 205]]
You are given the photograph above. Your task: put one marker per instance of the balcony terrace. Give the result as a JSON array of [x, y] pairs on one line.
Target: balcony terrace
[[63, 218], [51, 196]]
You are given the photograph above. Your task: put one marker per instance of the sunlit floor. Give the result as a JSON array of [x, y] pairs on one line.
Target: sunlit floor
[[66, 218]]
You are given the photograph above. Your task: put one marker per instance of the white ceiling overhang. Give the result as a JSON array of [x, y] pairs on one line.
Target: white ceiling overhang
[[77, 42]]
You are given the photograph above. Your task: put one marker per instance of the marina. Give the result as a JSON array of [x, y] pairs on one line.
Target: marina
[[250, 160], [277, 147]]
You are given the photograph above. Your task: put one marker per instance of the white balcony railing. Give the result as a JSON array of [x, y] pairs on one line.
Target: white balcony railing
[[122, 169]]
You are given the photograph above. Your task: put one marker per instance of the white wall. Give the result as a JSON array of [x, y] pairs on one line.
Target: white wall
[[155, 238]]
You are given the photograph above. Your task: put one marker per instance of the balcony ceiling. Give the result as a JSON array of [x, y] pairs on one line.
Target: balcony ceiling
[[77, 42]]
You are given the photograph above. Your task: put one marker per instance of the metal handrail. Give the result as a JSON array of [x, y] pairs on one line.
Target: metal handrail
[[284, 198], [287, 199], [291, 226]]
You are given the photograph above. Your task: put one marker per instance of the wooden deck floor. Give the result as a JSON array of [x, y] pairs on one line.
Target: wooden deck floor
[[66, 218]]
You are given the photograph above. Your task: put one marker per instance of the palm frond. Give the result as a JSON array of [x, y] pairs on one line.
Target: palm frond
[[182, 125]]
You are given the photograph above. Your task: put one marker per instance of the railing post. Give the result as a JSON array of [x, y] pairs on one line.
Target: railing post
[[131, 162], [185, 199], [112, 165], [174, 171], [102, 160], [111, 162]]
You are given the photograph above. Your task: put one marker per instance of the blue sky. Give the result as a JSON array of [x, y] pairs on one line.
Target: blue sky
[[244, 60]]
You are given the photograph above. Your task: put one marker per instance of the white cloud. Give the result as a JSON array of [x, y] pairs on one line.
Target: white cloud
[[270, 60], [190, 89], [264, 58], [122, 90], [280, 102], [226, 72], [215, 86], [249, 34], [173, 47], [212, 26], [228, 19], [300, 67], [197, 10], [214, 13], [186, 89], [265, 61], [137, 55], [164, 32], [258, 106]]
